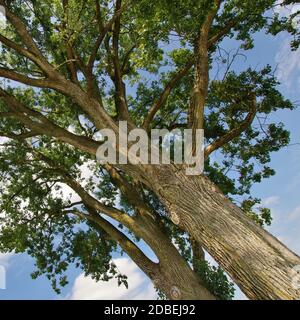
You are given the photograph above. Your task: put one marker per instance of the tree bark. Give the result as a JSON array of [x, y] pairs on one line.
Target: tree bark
[[171, 275], [174, 276], [256, 261]]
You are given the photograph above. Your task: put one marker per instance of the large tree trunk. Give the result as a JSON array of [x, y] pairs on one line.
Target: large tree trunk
[[256, 261], [172, 274]]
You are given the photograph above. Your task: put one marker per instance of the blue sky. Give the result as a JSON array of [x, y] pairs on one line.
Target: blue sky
[[280, 193]]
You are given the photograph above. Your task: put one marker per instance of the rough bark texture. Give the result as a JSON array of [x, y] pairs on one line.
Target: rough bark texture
[[173, 276], [257, 262]]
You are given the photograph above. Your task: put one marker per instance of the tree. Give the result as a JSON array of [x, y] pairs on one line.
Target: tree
[[71, 68]]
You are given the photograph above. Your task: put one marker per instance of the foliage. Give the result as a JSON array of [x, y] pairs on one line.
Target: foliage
[[156, 41], [216, 280]]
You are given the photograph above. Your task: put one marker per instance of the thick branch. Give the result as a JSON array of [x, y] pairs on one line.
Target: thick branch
[[129, 191], [133, 251], [21, 136], [196, 112], [93, 109], [21, 50], [21, 29], [121, 102], [55, 80], [114, 213], [41, 125], [28, 40], [71, 64], [41, 83]]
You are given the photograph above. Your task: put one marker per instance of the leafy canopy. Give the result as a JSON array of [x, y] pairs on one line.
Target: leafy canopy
[[156, 41]]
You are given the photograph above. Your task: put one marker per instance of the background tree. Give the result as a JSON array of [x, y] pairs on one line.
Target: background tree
[[71, 68]]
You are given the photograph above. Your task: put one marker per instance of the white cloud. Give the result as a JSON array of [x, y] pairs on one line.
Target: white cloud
[[287, 10], [288, 61], [5, 258], [140, 288], [67, 193], [295, 214], [270, 201], [288, 64]]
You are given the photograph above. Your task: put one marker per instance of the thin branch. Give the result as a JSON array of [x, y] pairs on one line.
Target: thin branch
[[227, 28], [19, 191], [112, 212], [182, 73], [230, 135], [127, 59], [165, 94], [89, 200], [129, 191], [103, 31], [71, 67], [55, 80]]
